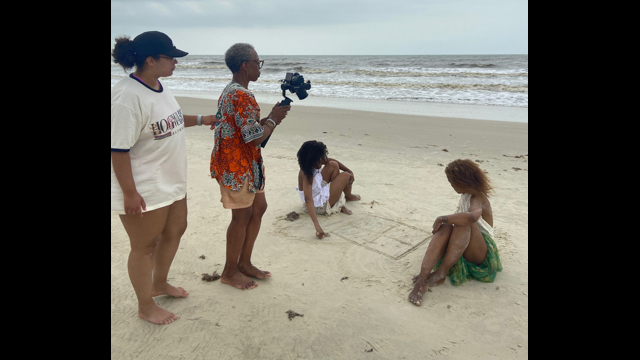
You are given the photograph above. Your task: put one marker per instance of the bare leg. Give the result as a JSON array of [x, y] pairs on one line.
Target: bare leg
[[348, 195], [476, 252], [236, 233], [434, 252], [144, 234], [166, 249], [339, 183], [460, 237], [244, 263]]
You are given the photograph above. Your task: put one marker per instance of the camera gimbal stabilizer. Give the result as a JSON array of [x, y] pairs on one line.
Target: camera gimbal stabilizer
[[293, 82]]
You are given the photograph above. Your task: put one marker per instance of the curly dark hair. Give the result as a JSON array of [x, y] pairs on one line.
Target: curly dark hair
[[468, 176], [124, 54], [309, 155]]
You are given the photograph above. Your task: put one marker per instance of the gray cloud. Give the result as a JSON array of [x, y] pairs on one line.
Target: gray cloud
[[332, 26], [260, 13]]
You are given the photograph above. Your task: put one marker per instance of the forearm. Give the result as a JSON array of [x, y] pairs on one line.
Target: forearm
[[264, 120], [312, 213], [340, 165], [122, 168], [192, 120], [459, 219], [267, 132]]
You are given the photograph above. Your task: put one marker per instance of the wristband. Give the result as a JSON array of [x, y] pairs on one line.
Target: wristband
[[199, 121], [270, 126], [273, 122]]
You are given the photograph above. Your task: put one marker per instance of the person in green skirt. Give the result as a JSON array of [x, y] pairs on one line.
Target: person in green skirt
[[462, 245]]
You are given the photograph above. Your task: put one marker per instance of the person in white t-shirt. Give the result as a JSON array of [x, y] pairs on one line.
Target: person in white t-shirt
[[149, 166]]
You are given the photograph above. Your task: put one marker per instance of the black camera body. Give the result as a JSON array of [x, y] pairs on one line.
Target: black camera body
[[294, 82]]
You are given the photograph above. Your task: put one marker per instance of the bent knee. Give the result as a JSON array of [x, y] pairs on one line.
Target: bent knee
[[345, 176], [332, 167], [461, 228]]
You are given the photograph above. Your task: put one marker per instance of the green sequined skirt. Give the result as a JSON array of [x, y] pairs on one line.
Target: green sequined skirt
[[485, 272]]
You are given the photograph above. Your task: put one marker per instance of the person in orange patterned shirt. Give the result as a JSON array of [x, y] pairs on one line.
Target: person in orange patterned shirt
[[236, 163]]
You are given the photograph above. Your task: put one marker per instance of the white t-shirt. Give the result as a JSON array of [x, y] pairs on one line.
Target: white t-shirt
[[149, 124]]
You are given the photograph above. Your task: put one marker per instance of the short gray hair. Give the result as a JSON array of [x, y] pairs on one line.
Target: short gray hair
[[236, 55]]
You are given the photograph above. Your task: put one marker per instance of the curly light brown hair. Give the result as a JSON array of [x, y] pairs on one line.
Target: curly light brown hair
[[468, 177]]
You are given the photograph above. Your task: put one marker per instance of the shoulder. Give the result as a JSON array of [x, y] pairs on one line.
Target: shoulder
[[238, 89], [124, 97], [236, 92], [241, 91], [485, 201], [476, 200], [303, 176], [121, 89]]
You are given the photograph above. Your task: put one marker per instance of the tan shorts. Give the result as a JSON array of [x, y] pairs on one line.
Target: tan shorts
[[231, 199]]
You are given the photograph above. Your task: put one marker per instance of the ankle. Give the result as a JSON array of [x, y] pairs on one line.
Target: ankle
[[147, 306]]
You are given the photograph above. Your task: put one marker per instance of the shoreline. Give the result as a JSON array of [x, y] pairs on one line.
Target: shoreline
[[420, 108]]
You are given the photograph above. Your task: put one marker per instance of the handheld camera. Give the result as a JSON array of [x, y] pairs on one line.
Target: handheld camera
[[294, 82]]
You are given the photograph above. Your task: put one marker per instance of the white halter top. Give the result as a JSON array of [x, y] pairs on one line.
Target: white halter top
[[319, 190], [463, 206]]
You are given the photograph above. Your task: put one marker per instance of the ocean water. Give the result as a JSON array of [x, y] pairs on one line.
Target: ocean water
[[501, 80]]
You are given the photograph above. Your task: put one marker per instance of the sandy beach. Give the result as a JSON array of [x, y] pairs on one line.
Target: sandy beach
[[351, 287]]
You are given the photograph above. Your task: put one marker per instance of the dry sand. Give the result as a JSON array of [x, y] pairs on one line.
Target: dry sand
[[398, 162]]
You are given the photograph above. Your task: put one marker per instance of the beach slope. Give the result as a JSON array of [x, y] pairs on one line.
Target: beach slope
[[351, 287]]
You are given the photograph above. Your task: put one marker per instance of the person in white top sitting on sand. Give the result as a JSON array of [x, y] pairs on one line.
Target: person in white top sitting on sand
[[322, 187], [462, 246]]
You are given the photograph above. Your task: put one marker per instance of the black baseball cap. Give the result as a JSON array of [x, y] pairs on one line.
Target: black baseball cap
[[152, 43]]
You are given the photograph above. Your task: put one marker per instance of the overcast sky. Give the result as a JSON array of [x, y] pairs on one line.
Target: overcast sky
[[331, 27]]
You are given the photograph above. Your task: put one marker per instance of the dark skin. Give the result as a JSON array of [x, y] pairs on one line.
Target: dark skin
[[338, 182], [245, 223], [454, 235]]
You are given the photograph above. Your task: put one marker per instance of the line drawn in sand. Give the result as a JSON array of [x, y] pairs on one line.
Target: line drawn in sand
[[384, 236]]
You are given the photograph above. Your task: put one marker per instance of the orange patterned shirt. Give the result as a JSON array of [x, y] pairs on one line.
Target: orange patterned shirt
[[234, 159]]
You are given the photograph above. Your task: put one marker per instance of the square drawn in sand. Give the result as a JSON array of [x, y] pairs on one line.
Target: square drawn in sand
[[381, 235]]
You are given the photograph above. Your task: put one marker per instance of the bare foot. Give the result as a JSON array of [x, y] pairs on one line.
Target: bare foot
[[418, 291], [254, 271], [168, 289], [346, 211], [436, 278], [353, 197], [238, 280], [157, 315]]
